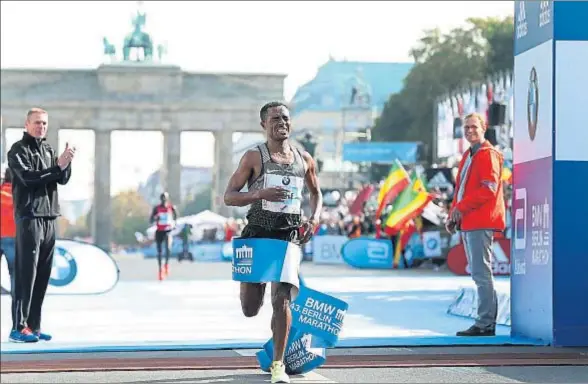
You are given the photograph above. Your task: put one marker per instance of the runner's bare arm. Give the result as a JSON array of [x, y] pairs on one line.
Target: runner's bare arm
[[233, 195], [312, 183]]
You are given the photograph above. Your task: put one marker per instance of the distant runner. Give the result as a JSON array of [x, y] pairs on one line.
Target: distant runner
[[164, 216]]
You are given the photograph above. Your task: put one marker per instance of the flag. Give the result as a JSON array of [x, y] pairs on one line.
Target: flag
[[408, 205], [395, 182], [363, 196], [403, 238], [506, 175]]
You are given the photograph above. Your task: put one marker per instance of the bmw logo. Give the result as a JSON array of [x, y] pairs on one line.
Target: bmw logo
[[64, 269], [285, 180], [431, 244], [533, 104]]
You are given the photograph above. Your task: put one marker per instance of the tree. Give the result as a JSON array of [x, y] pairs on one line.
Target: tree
[[200, 202], [499, 35], [78, 229], [444, 63], [130, 214]]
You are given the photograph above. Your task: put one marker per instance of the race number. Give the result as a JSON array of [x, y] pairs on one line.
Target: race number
[[293, 203]]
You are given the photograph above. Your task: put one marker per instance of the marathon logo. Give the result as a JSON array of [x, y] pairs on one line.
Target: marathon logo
[[242, 264], [339, 316], [244, 255]]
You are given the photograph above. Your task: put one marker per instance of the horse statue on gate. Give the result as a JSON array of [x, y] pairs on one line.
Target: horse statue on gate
[[138, 39], [109, 48]]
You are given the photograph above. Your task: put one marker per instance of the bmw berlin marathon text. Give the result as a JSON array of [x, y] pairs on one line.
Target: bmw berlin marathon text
[[297, 355], [322, 316]]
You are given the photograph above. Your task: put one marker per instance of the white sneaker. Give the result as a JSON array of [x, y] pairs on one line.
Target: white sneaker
[[279, 374]]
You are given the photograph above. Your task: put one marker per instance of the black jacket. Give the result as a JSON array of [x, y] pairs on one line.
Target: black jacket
[[35, 175]]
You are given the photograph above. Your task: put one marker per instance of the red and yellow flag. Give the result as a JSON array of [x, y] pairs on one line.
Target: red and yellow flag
[[395, 182], [408, 205]]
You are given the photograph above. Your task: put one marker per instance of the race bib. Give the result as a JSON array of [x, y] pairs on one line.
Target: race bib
[[164, 219], [293, 203]]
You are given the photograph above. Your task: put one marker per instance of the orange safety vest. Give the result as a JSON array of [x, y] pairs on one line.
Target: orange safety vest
[[7, 224], [482, 205]]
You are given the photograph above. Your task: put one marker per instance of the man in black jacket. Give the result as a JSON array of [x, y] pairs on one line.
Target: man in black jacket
[[36, 171]]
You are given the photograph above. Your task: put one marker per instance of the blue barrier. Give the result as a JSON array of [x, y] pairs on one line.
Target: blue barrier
[[366, 252], [201, 251], [317, 318]]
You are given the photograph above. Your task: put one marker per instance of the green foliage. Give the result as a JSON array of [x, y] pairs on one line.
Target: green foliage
[[444, 63], [200, 202], [130, 214]]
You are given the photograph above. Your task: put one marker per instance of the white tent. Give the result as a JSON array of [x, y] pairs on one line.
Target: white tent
[[204, 219]]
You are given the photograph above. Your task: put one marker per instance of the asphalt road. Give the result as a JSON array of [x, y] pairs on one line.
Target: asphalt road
[[447, 375]]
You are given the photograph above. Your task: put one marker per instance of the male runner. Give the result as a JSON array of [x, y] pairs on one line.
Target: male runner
[[164, 215], [275, 173]]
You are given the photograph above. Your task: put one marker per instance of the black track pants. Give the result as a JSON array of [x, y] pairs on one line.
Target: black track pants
[[35, 245]]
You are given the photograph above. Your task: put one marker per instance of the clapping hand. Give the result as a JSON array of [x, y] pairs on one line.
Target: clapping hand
[[66, 157]]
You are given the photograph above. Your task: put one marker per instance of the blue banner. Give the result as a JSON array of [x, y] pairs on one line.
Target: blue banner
[[318, 314], [317, 318], [266, 260], [227, 252], [381, 152], [368, 253], [303, 353]]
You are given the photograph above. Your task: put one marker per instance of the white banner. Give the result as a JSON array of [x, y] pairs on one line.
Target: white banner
[[327, 249], [78, 268]]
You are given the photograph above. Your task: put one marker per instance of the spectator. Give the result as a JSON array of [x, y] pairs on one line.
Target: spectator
[[478, 210]]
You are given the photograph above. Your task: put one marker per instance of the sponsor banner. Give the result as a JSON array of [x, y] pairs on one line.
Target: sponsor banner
[[533, 24], [457, 261], [207, 251], [465, 304], [317, 320], [327, 249], [570, 142], [227, 251], [302, 355], [381, 152], [368, 253], [319, 314], [532, 280], [432, 244], [266, 260], [533, 109], [78, 269]]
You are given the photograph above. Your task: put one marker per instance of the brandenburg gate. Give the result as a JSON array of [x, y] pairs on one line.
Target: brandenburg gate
[[141, 95]]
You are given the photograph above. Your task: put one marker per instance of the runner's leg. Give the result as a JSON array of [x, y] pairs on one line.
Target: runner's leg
[[251, 295], [281, 318]]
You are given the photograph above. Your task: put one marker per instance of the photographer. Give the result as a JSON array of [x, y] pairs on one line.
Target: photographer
[[36, 171]]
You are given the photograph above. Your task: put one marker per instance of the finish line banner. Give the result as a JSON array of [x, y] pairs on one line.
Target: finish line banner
[[317, 318], [265, 261]]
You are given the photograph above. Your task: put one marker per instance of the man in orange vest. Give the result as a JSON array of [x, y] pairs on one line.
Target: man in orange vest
[[8, 227], [478, 211], [164, 216]]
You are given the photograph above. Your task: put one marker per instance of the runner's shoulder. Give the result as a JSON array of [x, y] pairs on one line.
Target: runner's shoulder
[[251, 157]]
